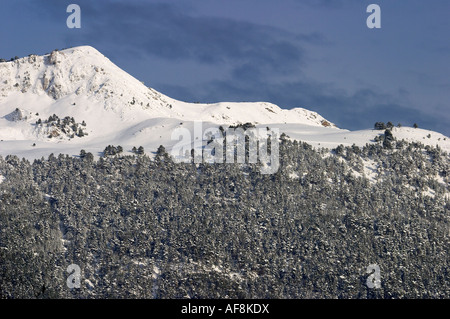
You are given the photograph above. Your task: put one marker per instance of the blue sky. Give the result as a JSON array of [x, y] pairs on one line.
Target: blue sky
[[316, 54]]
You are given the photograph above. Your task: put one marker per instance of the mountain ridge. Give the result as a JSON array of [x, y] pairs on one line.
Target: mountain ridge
[[82, 84], [84, 70]]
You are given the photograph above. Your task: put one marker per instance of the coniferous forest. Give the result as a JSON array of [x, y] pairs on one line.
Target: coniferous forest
[[144, 227]]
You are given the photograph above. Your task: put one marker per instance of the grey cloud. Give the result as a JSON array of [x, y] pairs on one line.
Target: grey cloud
[[165, 31], [323, 3]]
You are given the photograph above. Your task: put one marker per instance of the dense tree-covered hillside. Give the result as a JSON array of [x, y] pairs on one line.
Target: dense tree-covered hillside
[[144, 228]]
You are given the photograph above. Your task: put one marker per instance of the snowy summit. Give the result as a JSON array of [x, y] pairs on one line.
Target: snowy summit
[[78, 99]]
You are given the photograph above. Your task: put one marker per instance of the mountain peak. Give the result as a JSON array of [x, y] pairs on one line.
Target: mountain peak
[[86, 52], [77, 98], [84, 72], [77, 72], [87, 49]]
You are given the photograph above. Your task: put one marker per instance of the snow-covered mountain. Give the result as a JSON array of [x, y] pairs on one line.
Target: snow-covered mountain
[[78, 99]]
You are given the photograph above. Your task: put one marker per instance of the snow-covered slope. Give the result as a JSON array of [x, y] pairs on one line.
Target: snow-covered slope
[[97, 104]]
